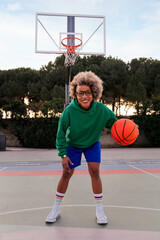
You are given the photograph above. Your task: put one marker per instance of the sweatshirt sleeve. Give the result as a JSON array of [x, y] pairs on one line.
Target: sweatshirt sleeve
[[111, 120], [63, 125]]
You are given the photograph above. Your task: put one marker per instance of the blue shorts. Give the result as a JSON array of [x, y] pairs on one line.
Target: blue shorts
[[92, 154]]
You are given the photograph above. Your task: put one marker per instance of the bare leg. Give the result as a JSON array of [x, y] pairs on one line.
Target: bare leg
[[93, 168], [64, 181]]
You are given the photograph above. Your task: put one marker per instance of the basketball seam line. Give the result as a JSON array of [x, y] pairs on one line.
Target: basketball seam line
[[131, 132], [117, 133]]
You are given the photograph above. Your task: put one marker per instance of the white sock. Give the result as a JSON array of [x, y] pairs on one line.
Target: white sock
[[59, 198], [98, 199]]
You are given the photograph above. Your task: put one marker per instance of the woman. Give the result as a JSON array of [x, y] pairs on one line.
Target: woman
[[79, 131]]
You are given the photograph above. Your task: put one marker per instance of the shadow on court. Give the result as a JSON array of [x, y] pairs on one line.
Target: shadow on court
[[131, 189]]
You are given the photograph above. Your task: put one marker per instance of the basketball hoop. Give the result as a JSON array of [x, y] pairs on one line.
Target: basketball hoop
[[71, 55]]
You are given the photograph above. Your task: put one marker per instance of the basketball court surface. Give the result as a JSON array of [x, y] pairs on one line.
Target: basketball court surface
[[131, 188]]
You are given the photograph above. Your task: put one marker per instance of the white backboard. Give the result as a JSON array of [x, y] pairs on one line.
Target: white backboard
[[51, 28]]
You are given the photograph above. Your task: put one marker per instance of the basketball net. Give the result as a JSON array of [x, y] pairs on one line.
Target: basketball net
[[71, 55], [70, 58]]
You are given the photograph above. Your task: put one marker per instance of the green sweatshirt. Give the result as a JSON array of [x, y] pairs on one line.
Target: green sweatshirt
[[81, 128]]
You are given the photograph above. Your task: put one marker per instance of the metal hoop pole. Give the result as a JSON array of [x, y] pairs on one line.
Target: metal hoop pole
[[70, 28]]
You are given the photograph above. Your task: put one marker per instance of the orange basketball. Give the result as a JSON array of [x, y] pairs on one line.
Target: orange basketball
[[124, 131]]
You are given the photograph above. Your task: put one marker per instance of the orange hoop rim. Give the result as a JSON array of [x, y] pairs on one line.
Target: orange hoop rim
[[71, 46]]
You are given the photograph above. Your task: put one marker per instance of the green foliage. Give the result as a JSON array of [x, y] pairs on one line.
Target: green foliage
[[1, 115], [143, 84], [37, 133], [137, 94], [58, 92], [114, 76], [51, 108], [157, 85], [151, 127], [45, 94], [34, 89], [58, 105], [41, 132], [156, 104], [16, 108], [137, 82]]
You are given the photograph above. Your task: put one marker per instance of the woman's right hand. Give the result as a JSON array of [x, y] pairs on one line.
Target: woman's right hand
[[65, 161]]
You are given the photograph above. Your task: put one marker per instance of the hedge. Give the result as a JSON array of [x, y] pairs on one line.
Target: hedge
[[41, 132], [150, 124], [34, 133]]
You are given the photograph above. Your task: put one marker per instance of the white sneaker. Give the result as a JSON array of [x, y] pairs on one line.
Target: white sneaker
[[54, 214], [101, 217]]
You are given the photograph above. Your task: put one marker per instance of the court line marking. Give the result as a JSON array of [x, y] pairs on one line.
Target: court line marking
[[80, 205], [2, 169], [141, 170]]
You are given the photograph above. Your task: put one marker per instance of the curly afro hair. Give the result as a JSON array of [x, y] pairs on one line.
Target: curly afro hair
[[90, 79]]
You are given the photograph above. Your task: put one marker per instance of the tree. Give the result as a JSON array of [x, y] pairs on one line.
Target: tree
[[157, 85], [58, 92], [136, 94], [45, 94], [147, 72], [137, 82], [156, 104], [34, 89], [35, 107], [114, 76], [16, 108]]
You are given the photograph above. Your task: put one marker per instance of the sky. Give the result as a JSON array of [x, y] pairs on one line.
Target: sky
[[132, 28]]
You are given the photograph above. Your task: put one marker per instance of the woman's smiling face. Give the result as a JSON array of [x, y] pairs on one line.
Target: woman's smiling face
[[84, 96]]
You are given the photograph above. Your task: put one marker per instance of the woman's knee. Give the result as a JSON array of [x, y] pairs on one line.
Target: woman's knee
[[94, 172], [67, 174]]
